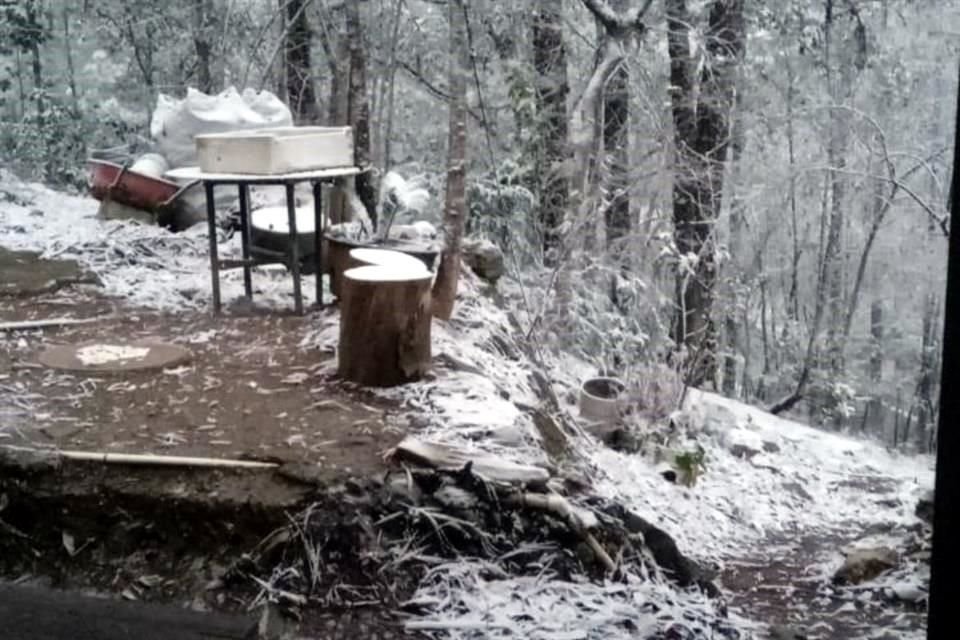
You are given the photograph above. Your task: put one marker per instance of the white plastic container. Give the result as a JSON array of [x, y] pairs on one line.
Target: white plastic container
[[275, 151], [601, 399]]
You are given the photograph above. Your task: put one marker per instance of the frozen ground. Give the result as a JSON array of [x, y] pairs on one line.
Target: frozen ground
[[797, 483]]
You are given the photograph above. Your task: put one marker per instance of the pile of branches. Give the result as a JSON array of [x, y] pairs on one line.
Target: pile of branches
[[377, 543]]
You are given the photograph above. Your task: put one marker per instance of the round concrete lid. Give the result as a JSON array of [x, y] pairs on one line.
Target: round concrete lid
[[106, 356]]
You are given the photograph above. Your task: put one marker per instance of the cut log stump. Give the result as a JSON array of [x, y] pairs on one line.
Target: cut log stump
[[384, 319]]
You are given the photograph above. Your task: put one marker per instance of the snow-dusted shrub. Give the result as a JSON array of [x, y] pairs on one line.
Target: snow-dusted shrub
[[653, 391], [503, 210]]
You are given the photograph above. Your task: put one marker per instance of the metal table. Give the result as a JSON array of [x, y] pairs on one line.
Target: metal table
[[243, 182]]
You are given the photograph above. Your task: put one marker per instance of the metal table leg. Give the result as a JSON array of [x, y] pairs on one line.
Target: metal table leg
[[214, 258], [245, 222], [294, 253], [318, 231]]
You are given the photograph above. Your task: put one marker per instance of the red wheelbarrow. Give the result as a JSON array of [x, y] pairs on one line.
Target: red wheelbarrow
[[110, 179]]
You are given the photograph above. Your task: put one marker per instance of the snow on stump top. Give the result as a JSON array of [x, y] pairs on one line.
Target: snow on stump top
[[114, 357], [384, 319]]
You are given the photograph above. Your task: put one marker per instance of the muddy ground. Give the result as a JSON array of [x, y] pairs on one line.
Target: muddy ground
[[154, 534]]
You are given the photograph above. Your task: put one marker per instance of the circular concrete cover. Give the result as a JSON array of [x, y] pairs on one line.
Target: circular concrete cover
[[114, 356]]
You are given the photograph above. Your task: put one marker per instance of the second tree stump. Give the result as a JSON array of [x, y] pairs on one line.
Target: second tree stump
[[385, 319]]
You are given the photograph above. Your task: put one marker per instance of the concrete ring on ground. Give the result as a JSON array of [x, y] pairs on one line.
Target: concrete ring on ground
[[114, 356]]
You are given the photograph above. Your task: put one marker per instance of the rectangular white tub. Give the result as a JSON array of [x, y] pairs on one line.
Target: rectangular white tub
[[275, 151]]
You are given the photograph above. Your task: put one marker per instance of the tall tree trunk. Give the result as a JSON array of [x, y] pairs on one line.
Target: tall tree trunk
[[803, 379], [359, 110], [736, 276], [301, 95], [833, 253], [36, 62], [616, 117], [202, 42], [550, 63], [339, 115], [925, 382], [21, 88], [701, 132], [875, 373], [455, 201], [387, 122], [793, 296], [71, 72]]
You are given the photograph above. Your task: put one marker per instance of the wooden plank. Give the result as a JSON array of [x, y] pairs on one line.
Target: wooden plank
[[30, 613]]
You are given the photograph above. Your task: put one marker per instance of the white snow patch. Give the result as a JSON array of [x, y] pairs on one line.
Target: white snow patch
[[96, 354]]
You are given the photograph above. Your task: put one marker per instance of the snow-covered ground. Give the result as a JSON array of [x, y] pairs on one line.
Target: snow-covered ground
[[795, 480]]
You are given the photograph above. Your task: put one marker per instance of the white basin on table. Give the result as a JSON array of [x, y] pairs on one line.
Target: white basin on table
[[275, 150]]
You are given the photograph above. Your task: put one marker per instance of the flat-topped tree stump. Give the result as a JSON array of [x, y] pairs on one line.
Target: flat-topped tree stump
[[384, 319]]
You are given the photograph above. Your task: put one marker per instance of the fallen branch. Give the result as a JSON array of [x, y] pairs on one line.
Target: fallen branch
[[145, 459], [578, 521], [47, 322]]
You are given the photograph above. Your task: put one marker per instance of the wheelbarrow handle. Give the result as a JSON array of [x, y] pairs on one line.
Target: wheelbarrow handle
[[179, 192]]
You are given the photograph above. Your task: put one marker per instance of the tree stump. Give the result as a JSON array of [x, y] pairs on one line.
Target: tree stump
[[385, 319]]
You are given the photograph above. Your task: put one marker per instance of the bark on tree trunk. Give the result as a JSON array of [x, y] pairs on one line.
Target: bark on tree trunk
[[202, 39], [875, 406], [391, 89], [924, 396], [33, 19], [301, 95], [359, 110], [736, 276], [793, 297], [701, 131], [616, 113], [833, 252], [71, 72], [338, 203], [455, 201], [550, 63]]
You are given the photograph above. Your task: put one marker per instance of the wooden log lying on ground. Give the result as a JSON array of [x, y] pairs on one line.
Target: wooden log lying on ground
[[384, 319]]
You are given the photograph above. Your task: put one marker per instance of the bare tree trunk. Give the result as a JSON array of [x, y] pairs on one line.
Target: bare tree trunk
[[36, 63], [803, 379], [455, 204], [339, 115], [836, 162], [202, 39], [391, 89], [701, 131], [876, 335], [736, 279], [793, 297], [833, 257], [301, 95], [550, 63], [359, 111], [21, 88], [616, 148], [71, 72], [616, 113], [875, 405], [925, 382]]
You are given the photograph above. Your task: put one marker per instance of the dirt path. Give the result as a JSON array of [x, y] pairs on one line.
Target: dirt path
[[784, 585]]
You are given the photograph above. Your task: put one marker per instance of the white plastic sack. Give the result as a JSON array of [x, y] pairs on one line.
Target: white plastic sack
[[176, 121]]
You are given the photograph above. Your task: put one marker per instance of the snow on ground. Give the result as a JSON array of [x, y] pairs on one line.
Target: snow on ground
[[147, 266], [796, 479]]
